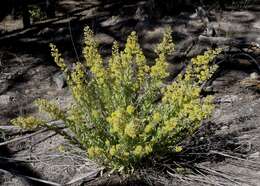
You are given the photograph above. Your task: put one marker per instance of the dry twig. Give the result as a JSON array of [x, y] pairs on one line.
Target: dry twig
[[22, 137]]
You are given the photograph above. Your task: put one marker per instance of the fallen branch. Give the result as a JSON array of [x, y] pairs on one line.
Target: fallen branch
[[31, 178], [211, 171], [8, 129], [233, 157], [86, 177], [220, 41], [11, 129], [22, 137], [15, 160]]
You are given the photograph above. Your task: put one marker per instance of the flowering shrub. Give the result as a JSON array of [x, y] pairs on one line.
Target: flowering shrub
[[122, 111]]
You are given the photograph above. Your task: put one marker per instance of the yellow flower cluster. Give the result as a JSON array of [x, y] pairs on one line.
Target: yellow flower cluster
[[54, 111], [116, 116], [131, 130], [116, 121], [178, 149], [94, 152], [141, 151], [148, 128], [156, 117], [27, 122], [169, 125], [130, 109], [138, 151], [200, 69]]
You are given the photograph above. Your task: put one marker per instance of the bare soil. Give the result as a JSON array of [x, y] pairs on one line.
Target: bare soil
[[225, 151]]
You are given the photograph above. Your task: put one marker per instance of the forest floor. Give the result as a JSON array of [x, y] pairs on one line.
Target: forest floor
[[227, 147]]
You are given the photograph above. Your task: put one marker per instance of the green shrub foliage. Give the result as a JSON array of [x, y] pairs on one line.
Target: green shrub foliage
[[123, 112], [36, 14]]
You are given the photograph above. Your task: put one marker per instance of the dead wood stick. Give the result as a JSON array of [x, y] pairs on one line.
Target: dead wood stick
[[22, 137], [219, 41], [84, 177], [40, 180], [233, 157], [10, 129], [219, 174], [31, 178], [14, 160]]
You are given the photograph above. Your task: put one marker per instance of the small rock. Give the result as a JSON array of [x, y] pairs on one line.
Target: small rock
[[217, 113], [140, 14], [6, 99], [227, 99], [45, 31], [112, 21], [209, 89], [59, 80], [254, 155], [104, 38], [254, 75], [61, 30], [224, 128], [3, 86], [257, 25], [27, 91], [244, 137]]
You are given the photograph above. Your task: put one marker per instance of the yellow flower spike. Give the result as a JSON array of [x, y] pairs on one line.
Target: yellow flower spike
[[131, 130], [148, 128], [148, 149], [178, 149], [61, 149], [130, 109], [57, 57], [159, 70], [132, 44], [92, 57], [156, 117], [170, 125], [52, 109], [138, 151], [91, 152], [166, 46], [112, 151], [95, 114], [107, 143], [27, 122], [126, 154]]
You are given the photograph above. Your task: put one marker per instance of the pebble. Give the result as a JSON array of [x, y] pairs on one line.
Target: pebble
[[6, 99], [254, 75], [228, 99], [224, 128], [27, 91], [254, 155], [59, 80]]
